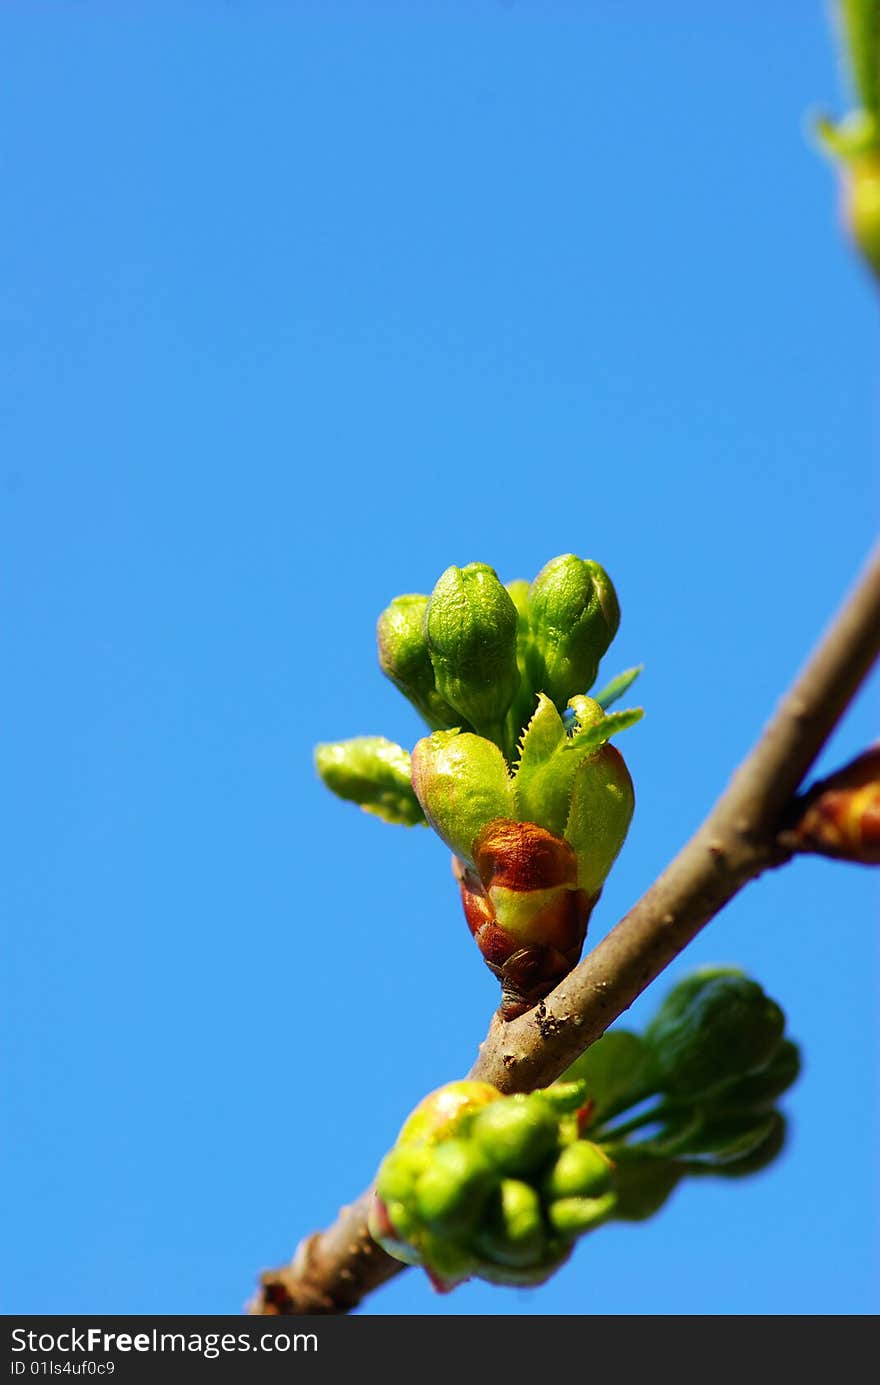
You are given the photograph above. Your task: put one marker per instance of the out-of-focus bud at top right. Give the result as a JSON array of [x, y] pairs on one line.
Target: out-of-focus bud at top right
[[573, 617], [471, 628], [840, 816], [404, 658], [714, 1027]]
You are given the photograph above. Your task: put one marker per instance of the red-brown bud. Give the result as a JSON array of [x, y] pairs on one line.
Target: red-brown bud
[[841, 815], [524, 909]]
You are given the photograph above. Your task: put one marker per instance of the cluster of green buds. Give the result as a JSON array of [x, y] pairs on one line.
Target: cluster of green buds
[[517, 776], [854, 142], [496, 1187], [501, 1187]]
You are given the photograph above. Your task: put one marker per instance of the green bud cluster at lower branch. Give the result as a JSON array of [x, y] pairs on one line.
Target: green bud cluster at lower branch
[[518, 777], [501, 1187], [500, 1190]]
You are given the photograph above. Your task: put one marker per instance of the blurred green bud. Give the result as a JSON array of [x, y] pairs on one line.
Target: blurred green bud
[[512, 1233], [728, 1136], [448, 1261], [404, 658], [760, 1090], [516, 1134], [440, 1113], [471, 628], [582, 1170], [400, 1171], [396, 1229], [573, 617], [374, 773], [572, 1216], [714, 1027], [565, 1097], [599, 815], [760, 1156], [462, 783], [452, 1190]]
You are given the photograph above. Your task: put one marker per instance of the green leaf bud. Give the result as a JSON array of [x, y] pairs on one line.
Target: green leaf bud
[[400, 1171], [440, 1114], [600, 812], [572, 1216], [396, 1229], [581, 1170], [375, 774], [448, 1261], [462, 783], [516, 1134], [565, 1097], [471, 628], [573, 617], [452, 1190], [714, 1027], [512, 1233], [404, 658]]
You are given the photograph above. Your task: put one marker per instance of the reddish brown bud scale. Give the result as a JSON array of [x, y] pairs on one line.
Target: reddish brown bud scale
[[841, 816], [524, 909]]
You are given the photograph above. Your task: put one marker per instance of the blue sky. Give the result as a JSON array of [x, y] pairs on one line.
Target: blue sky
[[301, 304]]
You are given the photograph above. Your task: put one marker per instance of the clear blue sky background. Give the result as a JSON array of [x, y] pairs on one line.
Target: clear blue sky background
[[301, 303]]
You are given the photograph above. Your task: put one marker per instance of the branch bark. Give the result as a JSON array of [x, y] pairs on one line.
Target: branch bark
[[333, 1270]]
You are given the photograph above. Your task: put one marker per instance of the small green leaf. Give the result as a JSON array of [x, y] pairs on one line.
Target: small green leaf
[[617, 687], [591, 737], [375, 774], [544, 776], [600, 811]]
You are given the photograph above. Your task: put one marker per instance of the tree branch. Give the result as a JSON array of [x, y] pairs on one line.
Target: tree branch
[[334, 1270]]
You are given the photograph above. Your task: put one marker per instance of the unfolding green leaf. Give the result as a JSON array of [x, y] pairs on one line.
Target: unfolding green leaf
[[617, 687], [591, 737]]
